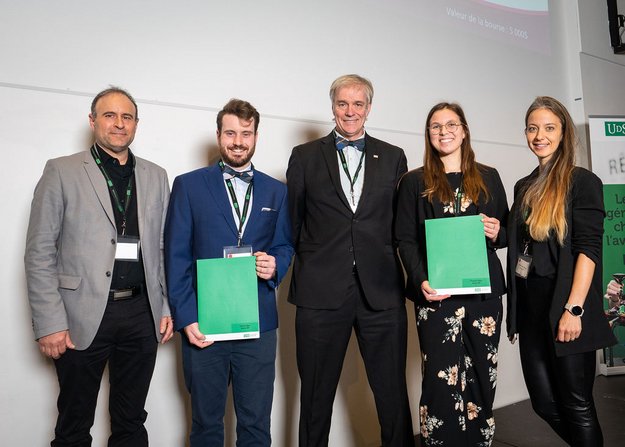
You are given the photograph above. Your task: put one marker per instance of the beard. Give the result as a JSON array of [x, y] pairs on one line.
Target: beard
[[237, 161]]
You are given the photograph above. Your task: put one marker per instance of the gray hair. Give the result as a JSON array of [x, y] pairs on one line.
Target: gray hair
[[352, 79]]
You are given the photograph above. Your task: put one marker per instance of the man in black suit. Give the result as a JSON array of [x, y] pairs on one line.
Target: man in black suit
[[346, 273]]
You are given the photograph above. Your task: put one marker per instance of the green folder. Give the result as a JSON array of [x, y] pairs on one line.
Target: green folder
[[456, 253], [227, 296]]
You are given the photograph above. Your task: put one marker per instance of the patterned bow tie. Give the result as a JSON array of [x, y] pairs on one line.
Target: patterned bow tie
[[246, 176], [342, 143]]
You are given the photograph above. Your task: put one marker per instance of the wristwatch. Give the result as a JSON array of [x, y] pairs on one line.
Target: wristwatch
[[574, 309]]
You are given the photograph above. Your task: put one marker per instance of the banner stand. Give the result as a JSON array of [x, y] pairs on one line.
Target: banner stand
[[607, 140]]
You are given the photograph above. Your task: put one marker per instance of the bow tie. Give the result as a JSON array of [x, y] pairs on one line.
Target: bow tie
[[246, 176], [342, 143]]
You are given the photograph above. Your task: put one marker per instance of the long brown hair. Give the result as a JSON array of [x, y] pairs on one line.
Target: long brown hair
[[544, 201], [436, 183]]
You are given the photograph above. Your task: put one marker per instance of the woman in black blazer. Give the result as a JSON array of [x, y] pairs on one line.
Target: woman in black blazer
[[458, 335], [554, 277]]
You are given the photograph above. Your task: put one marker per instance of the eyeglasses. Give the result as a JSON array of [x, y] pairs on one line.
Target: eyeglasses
[[452, 127]]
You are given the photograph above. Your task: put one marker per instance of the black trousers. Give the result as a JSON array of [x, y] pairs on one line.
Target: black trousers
[[125, 340], [322, 340], [560, 388]]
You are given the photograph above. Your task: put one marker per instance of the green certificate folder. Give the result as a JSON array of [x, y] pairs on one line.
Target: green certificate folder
[[227, 296], [456, 251]]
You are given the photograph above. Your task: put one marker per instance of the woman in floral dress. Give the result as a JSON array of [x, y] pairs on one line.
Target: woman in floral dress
[[459, 335]]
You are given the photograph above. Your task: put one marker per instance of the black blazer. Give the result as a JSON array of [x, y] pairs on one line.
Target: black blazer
[[329, 237], [584, 218], [412, 211]]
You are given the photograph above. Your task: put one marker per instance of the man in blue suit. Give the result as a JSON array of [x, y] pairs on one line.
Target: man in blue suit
[[228, 204]]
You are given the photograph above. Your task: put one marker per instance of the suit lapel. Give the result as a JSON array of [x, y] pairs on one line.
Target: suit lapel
[[99, 185], [261, 189], [141, 191], [328, 149], [216, 188]]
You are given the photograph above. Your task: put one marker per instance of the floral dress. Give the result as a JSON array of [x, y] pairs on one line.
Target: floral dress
[[459, 341]]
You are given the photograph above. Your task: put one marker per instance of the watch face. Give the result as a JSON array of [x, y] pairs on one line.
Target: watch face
[[576, 310]]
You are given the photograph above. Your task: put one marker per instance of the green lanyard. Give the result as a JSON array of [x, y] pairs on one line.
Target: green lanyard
[[235, 202], [458, 201], [352, 182], [122, 209]]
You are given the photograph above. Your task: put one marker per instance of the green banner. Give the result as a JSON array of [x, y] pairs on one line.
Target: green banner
[[614, 129], [607, 137]]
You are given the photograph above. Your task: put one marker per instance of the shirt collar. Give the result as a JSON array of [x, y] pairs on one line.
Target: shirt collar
[[111, 162], [338, 135]]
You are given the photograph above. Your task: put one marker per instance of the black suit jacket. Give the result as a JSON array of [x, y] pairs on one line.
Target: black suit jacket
[[412, 211], [329, 237], [584, 219]]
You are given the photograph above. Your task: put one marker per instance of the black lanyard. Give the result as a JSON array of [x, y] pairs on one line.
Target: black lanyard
[[235, 202], [352, 182], [526, 239], [123, 210]]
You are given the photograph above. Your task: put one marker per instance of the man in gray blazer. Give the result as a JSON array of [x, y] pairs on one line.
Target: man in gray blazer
[[95, 275]]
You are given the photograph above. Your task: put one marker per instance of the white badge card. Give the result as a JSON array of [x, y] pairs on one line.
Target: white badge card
[[523, 264], [236, 251], [127, 248]]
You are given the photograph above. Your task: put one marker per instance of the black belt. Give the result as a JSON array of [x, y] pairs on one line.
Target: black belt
[[124, 294]]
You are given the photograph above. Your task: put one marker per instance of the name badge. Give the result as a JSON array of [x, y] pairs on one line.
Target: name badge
[[236, 251], [523, 264], [127, 248]]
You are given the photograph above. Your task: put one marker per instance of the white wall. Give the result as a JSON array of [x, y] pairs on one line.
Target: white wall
[[183, 61], [603, 72]]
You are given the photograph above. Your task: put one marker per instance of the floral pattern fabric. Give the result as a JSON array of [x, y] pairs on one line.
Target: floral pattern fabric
[[459, 341], [464, 202]]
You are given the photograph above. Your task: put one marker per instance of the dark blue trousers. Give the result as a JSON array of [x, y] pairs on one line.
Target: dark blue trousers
[[249, 365]]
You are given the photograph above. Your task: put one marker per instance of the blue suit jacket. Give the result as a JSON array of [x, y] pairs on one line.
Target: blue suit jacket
[[200, 223]]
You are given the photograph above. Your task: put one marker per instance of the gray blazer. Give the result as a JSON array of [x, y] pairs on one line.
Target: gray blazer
[[71, 241]]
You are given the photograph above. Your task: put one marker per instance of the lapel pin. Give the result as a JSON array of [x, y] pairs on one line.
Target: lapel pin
[[375, 155]]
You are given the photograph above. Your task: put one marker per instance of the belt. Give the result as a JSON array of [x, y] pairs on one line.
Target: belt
[[124, 294]]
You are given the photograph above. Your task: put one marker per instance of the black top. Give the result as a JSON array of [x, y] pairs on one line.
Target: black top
[[544, 257], [126, 274], [461, 205], [413, 209], [584, 217]]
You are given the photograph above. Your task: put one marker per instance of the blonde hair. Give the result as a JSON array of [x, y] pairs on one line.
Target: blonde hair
[[543, 204]]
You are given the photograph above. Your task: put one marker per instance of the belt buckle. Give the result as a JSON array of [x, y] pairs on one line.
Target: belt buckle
[[122, 294]]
